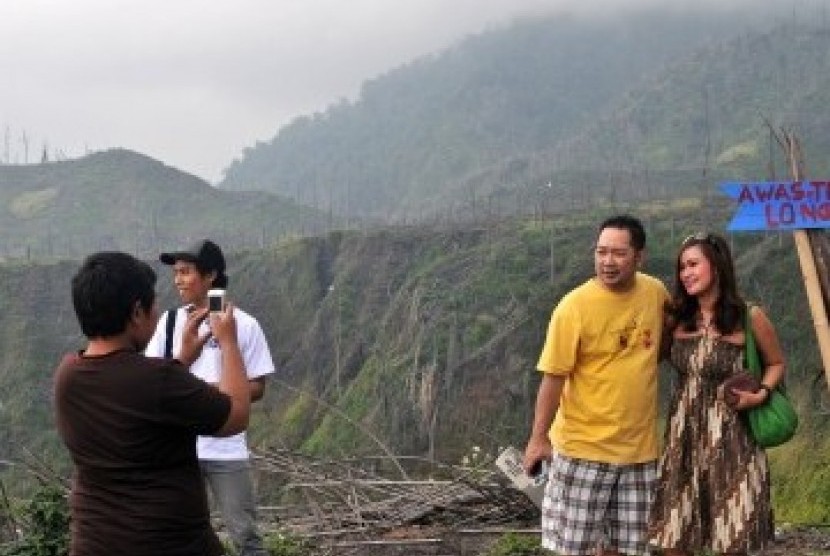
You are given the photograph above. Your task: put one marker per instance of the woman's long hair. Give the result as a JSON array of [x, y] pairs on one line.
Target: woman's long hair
[[730, 306]]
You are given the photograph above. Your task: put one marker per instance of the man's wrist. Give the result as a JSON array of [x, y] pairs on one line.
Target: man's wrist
[[540, 436]]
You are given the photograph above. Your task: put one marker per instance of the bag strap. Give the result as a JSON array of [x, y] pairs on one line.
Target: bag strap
[[168, 339], [752, 361]]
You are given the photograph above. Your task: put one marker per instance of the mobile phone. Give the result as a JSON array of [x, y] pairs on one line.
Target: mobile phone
[[216, 300], [539, 472]]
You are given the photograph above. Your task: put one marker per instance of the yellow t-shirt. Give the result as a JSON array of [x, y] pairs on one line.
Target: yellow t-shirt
[[607, 344]]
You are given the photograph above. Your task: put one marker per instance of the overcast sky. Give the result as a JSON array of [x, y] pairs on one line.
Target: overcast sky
[[194, 82]]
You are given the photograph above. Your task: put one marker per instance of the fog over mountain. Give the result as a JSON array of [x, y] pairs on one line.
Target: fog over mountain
[[193, 83]]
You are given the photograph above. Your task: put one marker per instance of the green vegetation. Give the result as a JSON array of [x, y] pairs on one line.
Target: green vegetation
[[285, 544], [521, 120], [507, 149], [41, 525], [427, 341], [801, 476], [337, 429], [29, 204], [513, 544], [41, 528], [119, 199]]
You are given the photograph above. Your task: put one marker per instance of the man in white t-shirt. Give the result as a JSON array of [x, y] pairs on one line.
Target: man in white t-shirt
[[224, 462]]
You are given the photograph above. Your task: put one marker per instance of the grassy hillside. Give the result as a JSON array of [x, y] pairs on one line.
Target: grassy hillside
[[123, 200], [551, 114], [702, 118], [414, 134], [709, 109], [422, 341]]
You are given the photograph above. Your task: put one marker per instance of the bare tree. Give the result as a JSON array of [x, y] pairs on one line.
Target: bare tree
[[24, 139], [6, 144]]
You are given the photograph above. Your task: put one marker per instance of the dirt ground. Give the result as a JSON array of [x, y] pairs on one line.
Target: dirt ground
[[799, 541], [416, 541]]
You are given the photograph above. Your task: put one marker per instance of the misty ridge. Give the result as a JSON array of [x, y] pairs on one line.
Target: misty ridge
[[545, 115], [403, 250], [632, 106]]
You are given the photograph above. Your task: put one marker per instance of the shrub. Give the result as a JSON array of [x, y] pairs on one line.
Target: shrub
[[44, 522], [285, 544], [513, 544]]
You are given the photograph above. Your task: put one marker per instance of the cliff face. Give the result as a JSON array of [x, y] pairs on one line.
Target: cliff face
[[426, 341], [421, 340], [411, 341]]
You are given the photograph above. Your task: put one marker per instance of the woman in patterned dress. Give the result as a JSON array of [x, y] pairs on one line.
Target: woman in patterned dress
[[713, 493]]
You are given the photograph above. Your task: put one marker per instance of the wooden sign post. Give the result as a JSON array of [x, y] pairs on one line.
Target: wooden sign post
[[795, 205]]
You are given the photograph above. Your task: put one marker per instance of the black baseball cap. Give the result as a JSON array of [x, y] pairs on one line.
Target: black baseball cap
[[205, 254]]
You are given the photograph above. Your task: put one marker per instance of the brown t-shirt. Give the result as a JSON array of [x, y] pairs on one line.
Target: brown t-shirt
[[130, 423]]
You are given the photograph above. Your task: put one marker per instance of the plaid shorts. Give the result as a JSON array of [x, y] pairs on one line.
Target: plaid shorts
[[589, 504]]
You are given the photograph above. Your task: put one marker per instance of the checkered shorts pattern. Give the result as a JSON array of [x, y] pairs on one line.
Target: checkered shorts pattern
[[589, 504]]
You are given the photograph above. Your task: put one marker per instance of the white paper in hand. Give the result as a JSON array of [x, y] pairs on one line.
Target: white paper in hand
[[510, 463]]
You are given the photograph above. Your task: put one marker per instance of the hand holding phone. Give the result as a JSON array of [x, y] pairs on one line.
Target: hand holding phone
[[223, 325], [539, 472], [216, 300]]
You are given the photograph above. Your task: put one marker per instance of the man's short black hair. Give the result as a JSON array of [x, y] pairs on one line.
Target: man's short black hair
[[630, 223], [105, 290]]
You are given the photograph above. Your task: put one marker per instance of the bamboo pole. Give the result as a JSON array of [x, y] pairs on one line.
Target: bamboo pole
[[808, 267], [820, 242]]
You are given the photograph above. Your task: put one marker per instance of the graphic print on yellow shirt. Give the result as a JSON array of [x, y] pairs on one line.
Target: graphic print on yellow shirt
[[607, 345]]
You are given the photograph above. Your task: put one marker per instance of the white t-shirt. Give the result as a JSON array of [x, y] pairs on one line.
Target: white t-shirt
[[255, 355]]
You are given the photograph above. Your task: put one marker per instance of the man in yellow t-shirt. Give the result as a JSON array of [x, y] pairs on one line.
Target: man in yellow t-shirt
[[599, 392]]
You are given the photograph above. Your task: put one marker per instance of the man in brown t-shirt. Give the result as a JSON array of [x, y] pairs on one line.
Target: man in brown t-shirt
[[130, 422]]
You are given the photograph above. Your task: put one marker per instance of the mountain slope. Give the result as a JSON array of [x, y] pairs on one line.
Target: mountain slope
[[699, 120], [119, 199], [425, 338], [709, 109], [495, 96]]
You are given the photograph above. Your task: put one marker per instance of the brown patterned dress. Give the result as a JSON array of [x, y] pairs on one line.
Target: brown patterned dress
[[713, 492]]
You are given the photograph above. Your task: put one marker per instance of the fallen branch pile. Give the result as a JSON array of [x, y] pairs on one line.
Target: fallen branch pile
[[357, 498]]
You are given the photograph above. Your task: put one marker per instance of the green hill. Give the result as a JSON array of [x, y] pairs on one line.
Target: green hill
[[705, 117], [119, 199], [405, 147], [557, 113], [425, 338], [709, 110]]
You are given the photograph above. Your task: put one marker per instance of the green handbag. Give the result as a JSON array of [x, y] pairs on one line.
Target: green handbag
[[775, 421]]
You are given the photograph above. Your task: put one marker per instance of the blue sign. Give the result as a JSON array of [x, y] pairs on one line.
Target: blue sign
[[779, 205]]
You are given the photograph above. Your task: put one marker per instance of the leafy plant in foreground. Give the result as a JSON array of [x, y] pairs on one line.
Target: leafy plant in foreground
[[44, 523]]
